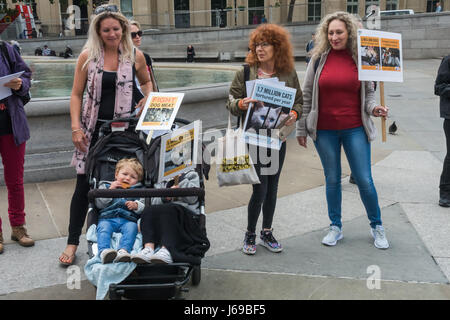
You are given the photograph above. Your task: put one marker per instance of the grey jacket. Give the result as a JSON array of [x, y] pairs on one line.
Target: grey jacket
[[188, 180], [308, 121]]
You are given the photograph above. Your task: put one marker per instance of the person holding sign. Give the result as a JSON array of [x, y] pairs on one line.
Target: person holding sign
[[270, 56], [105, 68], [336, 113], [14, 133]]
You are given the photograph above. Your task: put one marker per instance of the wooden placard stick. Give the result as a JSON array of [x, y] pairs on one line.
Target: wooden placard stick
[[383, 119]]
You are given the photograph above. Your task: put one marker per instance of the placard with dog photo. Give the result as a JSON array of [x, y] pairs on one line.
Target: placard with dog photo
[[160, 111], [179, 151], [275, 101], [380, 56]]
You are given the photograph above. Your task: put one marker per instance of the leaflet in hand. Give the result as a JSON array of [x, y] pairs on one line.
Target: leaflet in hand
[[275, 101], [5, 91]]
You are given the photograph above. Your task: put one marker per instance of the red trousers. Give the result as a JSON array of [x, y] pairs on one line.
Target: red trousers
[[13, 158]]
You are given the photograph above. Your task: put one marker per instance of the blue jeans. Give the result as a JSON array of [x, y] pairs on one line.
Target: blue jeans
[[106, 227], [357, 149]]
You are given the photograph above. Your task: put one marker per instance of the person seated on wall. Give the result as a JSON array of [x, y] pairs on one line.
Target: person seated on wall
[[38, 52]]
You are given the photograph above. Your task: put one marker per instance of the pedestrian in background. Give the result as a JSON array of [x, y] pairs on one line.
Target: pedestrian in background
[[14, 133], [309, 47], [105, 68], [336, 113], [190, 51], [270, 55], [442, 89], [136, 36]]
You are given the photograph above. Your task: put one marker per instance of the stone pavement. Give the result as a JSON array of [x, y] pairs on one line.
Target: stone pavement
[[406, 172]]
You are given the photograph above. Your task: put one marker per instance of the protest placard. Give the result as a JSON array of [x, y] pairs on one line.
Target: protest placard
[[380, 56], [160, 111], [179, 151], [275, 101]]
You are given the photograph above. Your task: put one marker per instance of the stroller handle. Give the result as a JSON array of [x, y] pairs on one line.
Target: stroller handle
[[145, 193]]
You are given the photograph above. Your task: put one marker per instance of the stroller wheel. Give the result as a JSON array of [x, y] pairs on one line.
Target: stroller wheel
[[196, 275]]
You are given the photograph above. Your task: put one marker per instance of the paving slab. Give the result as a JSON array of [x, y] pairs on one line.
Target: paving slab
[[350, 258]]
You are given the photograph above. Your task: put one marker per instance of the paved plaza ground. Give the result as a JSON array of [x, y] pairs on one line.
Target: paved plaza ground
[[406, 172]]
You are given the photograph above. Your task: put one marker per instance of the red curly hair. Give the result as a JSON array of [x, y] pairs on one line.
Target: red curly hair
[[277, 36]]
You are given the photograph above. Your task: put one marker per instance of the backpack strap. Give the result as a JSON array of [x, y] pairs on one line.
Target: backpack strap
[[246, 78]]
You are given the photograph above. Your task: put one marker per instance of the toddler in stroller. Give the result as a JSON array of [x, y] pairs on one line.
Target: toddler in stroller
[[131, 280], [119, 214]]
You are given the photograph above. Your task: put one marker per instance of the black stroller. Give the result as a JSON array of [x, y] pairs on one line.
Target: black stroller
[[149, 281]]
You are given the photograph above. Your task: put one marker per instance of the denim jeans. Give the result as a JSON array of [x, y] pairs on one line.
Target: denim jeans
[[357, 150], [106, 227]]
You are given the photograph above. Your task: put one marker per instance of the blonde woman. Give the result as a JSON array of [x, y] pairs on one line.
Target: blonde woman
[[104, 69], [336, 113]]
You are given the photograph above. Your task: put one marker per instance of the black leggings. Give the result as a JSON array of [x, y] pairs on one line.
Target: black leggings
[[265, 194], [158, 227], [78, 209]]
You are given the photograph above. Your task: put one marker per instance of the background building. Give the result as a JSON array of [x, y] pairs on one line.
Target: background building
[[71, 17]]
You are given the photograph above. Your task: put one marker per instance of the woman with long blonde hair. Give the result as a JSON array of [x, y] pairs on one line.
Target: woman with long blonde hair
[[336, 113], [105, 69]]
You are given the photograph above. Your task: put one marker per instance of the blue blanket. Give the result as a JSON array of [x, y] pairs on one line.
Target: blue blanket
[[102, 275]]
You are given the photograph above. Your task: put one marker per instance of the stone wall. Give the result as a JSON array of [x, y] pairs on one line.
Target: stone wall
[[424, 36]]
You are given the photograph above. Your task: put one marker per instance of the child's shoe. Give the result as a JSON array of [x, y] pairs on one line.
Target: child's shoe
[[269, 241], [122, 256], [108, 255], [142, 256], [161, 256]]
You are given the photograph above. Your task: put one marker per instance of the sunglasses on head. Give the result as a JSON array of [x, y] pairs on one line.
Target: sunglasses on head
[[108, 8], [135, 34]]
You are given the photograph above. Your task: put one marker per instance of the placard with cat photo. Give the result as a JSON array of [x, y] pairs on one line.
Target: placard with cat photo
[[275, 101], [179, 151]]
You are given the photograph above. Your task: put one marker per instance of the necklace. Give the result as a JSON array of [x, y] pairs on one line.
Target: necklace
[[264, 74]]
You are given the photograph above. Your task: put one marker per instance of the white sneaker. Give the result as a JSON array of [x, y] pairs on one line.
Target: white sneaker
[[122, 256], [108, 255], [379, 235], [161, 256], [333, 236], [142, 256]]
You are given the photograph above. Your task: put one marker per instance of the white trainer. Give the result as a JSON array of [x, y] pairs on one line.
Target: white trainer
[[333, 236], [379, 235], [142, 256], [161, 256]]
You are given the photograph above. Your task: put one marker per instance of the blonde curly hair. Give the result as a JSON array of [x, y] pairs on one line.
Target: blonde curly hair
[[321, 42]]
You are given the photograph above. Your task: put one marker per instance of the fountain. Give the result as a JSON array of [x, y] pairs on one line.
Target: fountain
[[50, 147]]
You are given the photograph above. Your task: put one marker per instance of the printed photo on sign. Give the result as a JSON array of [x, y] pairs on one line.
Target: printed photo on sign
[[270, 113], [370, 53], [390, 54], [379, 56], [160, 111], [179, 151]]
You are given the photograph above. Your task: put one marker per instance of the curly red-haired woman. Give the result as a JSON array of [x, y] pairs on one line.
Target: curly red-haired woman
[[270, 55]]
